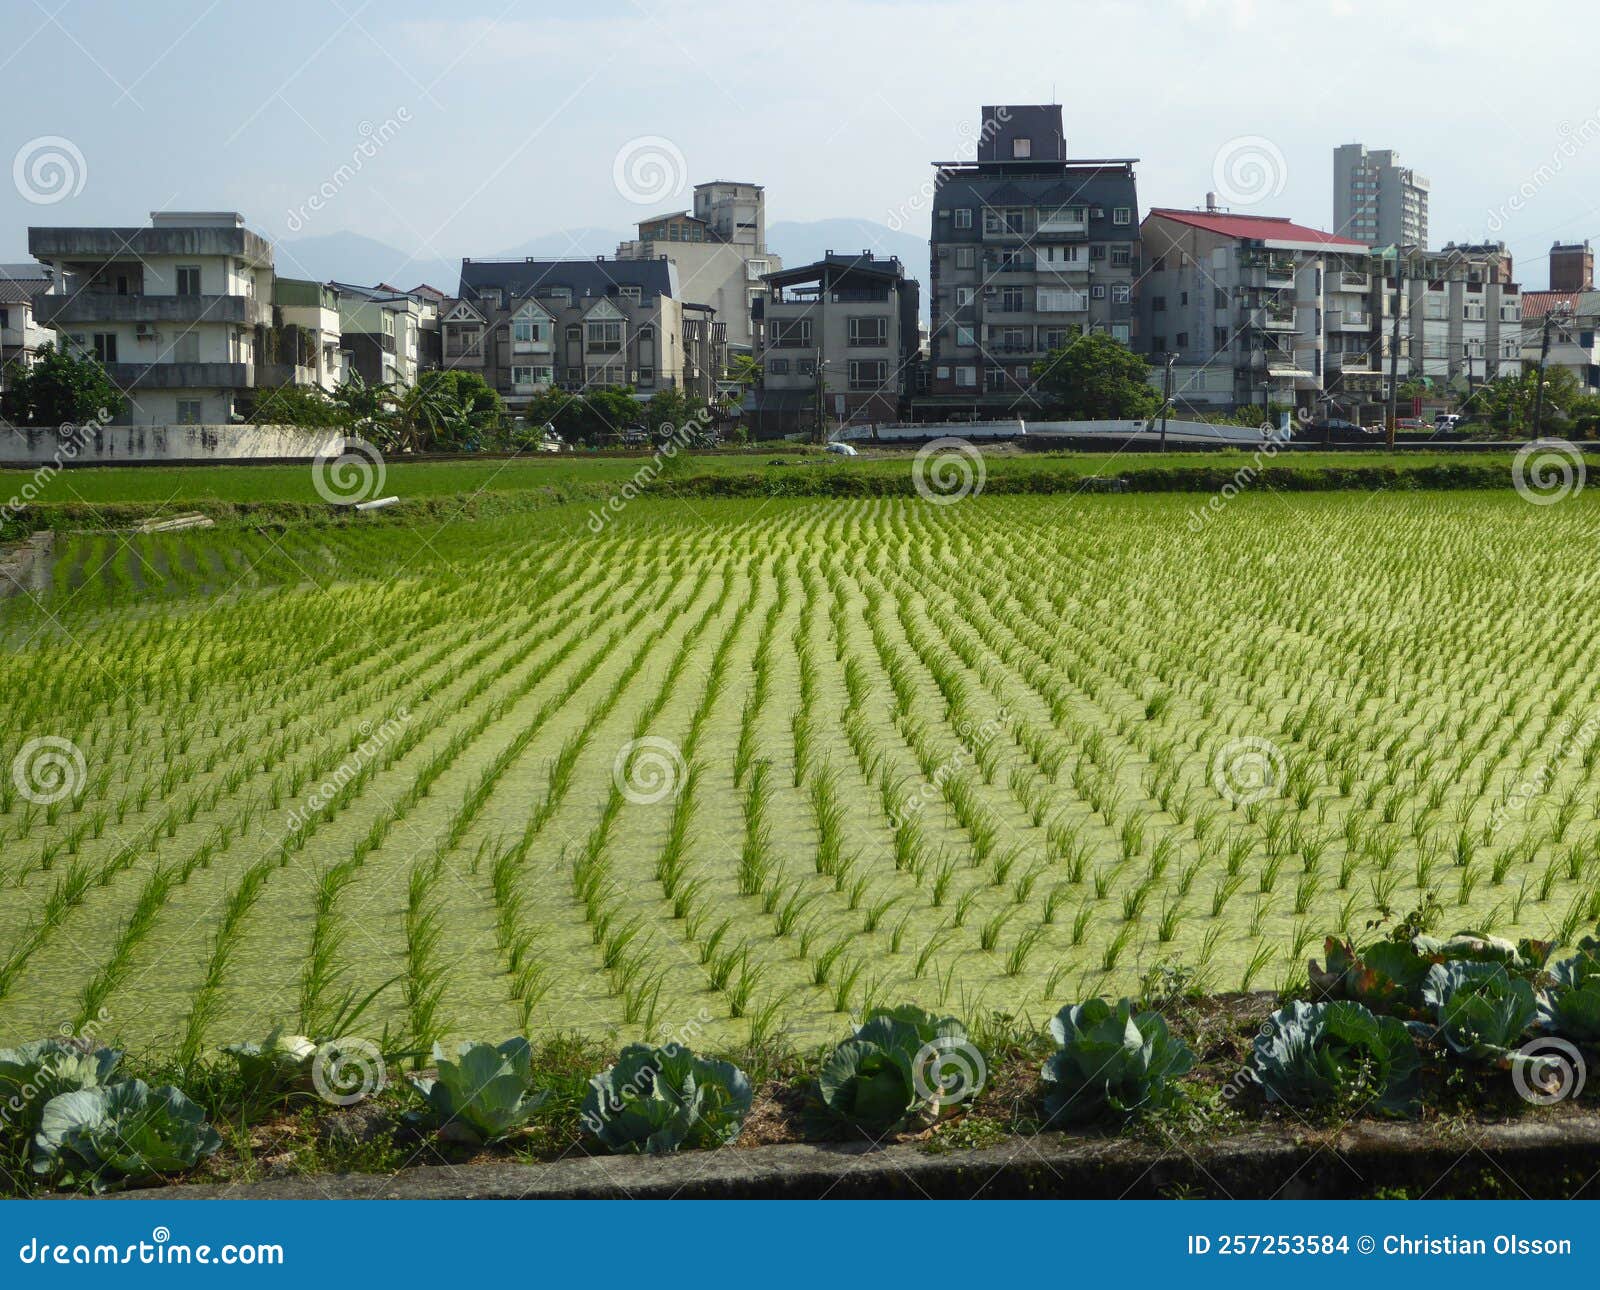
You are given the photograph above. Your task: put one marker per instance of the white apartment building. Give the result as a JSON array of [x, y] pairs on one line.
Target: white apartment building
[[172, 311], [21, 334], [1251, 304], [720, 250], [305, 337], [381, 328], [1574, 318]]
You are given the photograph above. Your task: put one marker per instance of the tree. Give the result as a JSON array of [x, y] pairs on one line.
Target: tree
[[365, 410], [1507, 403], [296, 405], [447, 411], [744, 369], [61, 390], [1095, 378], [669, 412]]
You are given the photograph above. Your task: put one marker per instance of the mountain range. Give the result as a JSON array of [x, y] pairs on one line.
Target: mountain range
[[356, 258]]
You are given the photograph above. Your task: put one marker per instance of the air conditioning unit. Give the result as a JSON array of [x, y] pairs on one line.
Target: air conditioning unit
[[1097, 212], [142, 329]]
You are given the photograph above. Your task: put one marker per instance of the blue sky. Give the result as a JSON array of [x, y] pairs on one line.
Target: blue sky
[[486, 124]]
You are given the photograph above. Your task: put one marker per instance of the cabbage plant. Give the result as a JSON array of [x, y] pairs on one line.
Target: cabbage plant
[[122, 1132], [882, 1078], [1571, 1005], [36, 1072], [277, 1063], [1313, 1053], [656, 1100], [1480, 1010], [484, 1093], [1390, 974], [1112, 1061]]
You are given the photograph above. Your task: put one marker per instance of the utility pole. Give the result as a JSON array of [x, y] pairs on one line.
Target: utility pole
[[1544, 357], [1394, 351], [1166, 398], [822, 434]]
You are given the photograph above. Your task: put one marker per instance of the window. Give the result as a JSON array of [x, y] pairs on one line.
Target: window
[[1119, 333], [1013, 300], [522, 376], [1097, 250], [1158, 304], [605, 336], [1121, 257], [105, 346], [805, 366], [630, 293], [966, 257], [1021, 149], [963, 217], [190, 412], [188, 279], [755, 269], [1158, 344], [777, 367], [1182, 340], [5, 317], [867, 374], [791, 333], [1122, 215], [942, 373], [1098, 291], [646, 376], [1120, 293], [963, 297], [525, 332], [560, 295], [186, 348], [964, 336], [994, 379], [1053, 338], [869, 331], [966, 377], [1183, 298]]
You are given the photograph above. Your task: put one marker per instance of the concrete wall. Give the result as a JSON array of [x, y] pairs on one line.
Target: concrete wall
[[26, 567], [111, 445]]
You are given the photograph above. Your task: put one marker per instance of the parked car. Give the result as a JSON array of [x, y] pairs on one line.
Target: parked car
[[1338, 430]]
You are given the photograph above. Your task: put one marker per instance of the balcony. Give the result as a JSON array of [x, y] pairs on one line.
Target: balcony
[[1000, 231], [1061, 224], [1079, 264], [1021, 264], [270, 375], [1349, 281], [1274, 317], [1346, 320], [1270, 270], [181, 376], [88, 307]]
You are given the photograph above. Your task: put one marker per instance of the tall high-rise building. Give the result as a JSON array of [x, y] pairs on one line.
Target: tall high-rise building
[[1376, 200], [1571, 267]]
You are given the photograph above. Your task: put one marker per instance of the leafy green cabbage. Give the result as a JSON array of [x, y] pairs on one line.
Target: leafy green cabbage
[[1480, 1010], [1316, 1053], [656, 1100], [1111, 1060], [880, 1079], [485, 1093], [36, 1072], [122, 1132]]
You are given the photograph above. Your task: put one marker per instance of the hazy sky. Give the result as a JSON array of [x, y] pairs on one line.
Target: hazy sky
[[484, 124]]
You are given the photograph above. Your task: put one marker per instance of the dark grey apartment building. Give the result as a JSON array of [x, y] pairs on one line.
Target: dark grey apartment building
[[1029, 247]]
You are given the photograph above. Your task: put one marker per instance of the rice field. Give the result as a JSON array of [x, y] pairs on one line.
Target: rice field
[[742, 767]]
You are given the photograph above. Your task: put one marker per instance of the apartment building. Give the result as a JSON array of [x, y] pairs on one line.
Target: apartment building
[[1029, 248], [382, 329], [21, 334], [305, 345], [1256, 307], [842, 344], [527, 325], [1460, 321], [1376, 200], [720, 249], [1574, 323], [173, 311]]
